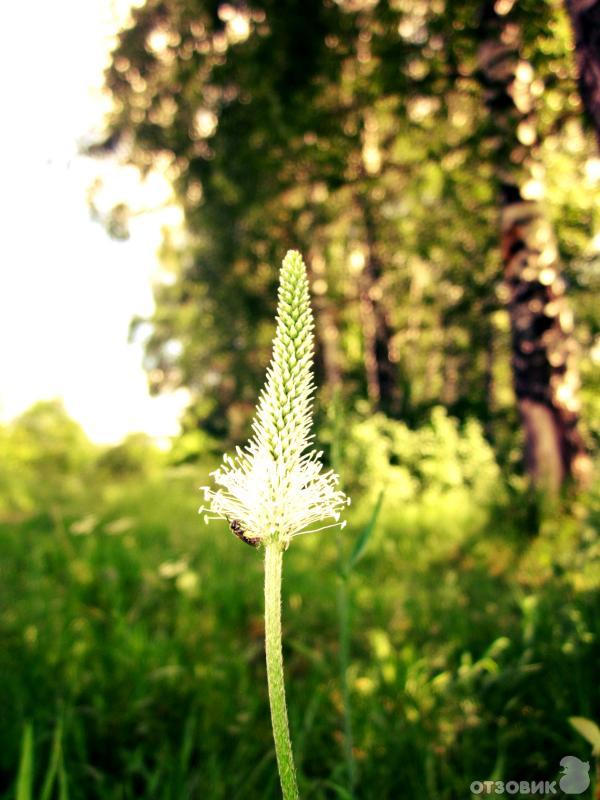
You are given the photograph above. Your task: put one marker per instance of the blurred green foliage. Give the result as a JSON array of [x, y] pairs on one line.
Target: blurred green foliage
[[438, 464], [47, 462], [45, 459], [132, 657], [355, 131]]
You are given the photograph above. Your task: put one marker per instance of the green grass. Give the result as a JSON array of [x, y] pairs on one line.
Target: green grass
[[132, 664]]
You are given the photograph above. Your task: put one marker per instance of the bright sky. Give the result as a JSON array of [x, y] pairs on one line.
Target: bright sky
[[67, 291]]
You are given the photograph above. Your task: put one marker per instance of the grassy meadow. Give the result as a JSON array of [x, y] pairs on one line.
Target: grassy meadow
[[132, 663], [437, 164]]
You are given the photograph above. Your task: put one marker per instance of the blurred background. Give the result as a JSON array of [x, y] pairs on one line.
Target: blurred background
[[438, 164]]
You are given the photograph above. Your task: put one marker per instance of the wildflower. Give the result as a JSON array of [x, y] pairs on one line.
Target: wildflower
[[275, 487]]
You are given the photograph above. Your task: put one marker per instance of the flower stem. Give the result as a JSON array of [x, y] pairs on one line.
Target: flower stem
[[279, 718]]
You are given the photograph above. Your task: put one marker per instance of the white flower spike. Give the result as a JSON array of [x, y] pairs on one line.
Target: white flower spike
[[275, 487]]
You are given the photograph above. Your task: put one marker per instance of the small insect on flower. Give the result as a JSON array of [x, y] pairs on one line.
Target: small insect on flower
[[236, 527], [276, 487]]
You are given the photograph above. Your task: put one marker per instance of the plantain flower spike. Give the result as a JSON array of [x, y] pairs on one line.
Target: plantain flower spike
[[275, 487]]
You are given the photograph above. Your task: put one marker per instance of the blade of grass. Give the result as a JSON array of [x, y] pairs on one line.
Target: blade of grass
[[63, 792], [362, 541], [55, 759], [589, 730], [344, 794], [344, 617], [25, 775]]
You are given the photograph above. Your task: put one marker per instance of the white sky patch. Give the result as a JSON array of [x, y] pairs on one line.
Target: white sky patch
[[67, 291]]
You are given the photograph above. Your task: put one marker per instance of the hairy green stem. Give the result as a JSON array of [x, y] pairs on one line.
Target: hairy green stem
[[279, 718]]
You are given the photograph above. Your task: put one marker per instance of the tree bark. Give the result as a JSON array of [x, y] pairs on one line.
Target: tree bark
[[327, 330], [381, 371], [585, 19], [544, 351]]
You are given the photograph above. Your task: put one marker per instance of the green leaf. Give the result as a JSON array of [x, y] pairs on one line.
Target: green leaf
[[589, 730], [187, 745], [25, 776], [362, 541], [340, 791], [63, 791], [55, 761]]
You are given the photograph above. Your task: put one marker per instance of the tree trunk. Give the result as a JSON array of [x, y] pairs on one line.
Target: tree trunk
[[585, 18], [544, 352], [327, 333], [382, 377]]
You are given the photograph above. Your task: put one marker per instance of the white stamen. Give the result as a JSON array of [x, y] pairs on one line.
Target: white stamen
[[275, 486]]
